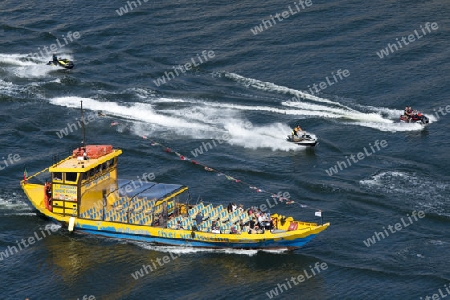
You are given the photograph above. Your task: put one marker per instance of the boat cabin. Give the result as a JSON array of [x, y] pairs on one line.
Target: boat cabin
[[84, 177], [85, 185]]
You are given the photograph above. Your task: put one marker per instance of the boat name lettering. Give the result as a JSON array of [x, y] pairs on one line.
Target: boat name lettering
[[174, 235], [167, 234], [96, 181], [66, 192]]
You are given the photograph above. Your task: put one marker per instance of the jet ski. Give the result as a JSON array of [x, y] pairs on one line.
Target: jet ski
[[62, 62], [307, 139], [416, 117]]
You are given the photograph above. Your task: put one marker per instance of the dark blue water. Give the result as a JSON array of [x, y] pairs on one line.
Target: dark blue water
[[250, 92]]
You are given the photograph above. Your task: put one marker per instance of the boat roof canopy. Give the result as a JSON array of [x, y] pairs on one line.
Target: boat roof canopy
[[73, 164], [150, 190]]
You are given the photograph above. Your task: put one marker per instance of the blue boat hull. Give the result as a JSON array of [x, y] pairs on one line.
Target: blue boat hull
[[268, 244]]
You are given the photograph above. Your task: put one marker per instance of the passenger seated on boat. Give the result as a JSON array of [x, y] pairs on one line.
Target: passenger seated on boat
[[262, 219], [158, 220], [253, 226], [161, 220], [214, 227], [273, 223], [178, 225], [265, 222], [233, 230]]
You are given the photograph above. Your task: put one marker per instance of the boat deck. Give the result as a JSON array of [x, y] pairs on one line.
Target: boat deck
[[143, 211]]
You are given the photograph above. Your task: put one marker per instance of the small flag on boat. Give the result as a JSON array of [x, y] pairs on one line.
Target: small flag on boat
[[318, 214], [25, 175]]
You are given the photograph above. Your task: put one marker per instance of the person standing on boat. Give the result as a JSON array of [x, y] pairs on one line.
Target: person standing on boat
[[199, 219], [230, 207]]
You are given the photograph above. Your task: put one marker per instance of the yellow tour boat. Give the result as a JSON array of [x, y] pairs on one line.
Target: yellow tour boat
[[85, 195]]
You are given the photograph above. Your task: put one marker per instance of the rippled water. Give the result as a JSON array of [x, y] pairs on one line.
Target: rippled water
[[250, 93]]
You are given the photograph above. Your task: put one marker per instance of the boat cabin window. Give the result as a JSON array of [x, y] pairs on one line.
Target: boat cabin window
[[106, 166], [71, 176], [57, 176]]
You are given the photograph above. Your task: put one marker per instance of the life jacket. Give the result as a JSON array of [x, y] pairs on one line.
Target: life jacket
[[48, 196]]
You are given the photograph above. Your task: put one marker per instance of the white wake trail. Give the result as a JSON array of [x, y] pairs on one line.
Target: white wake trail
[[272, 87], [380, 118]]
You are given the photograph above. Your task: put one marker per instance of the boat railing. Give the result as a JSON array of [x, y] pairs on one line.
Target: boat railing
[[35, 174]]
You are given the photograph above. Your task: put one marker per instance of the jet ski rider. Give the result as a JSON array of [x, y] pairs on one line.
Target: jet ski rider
[[55, 59], [409, 113], [297, 131]]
